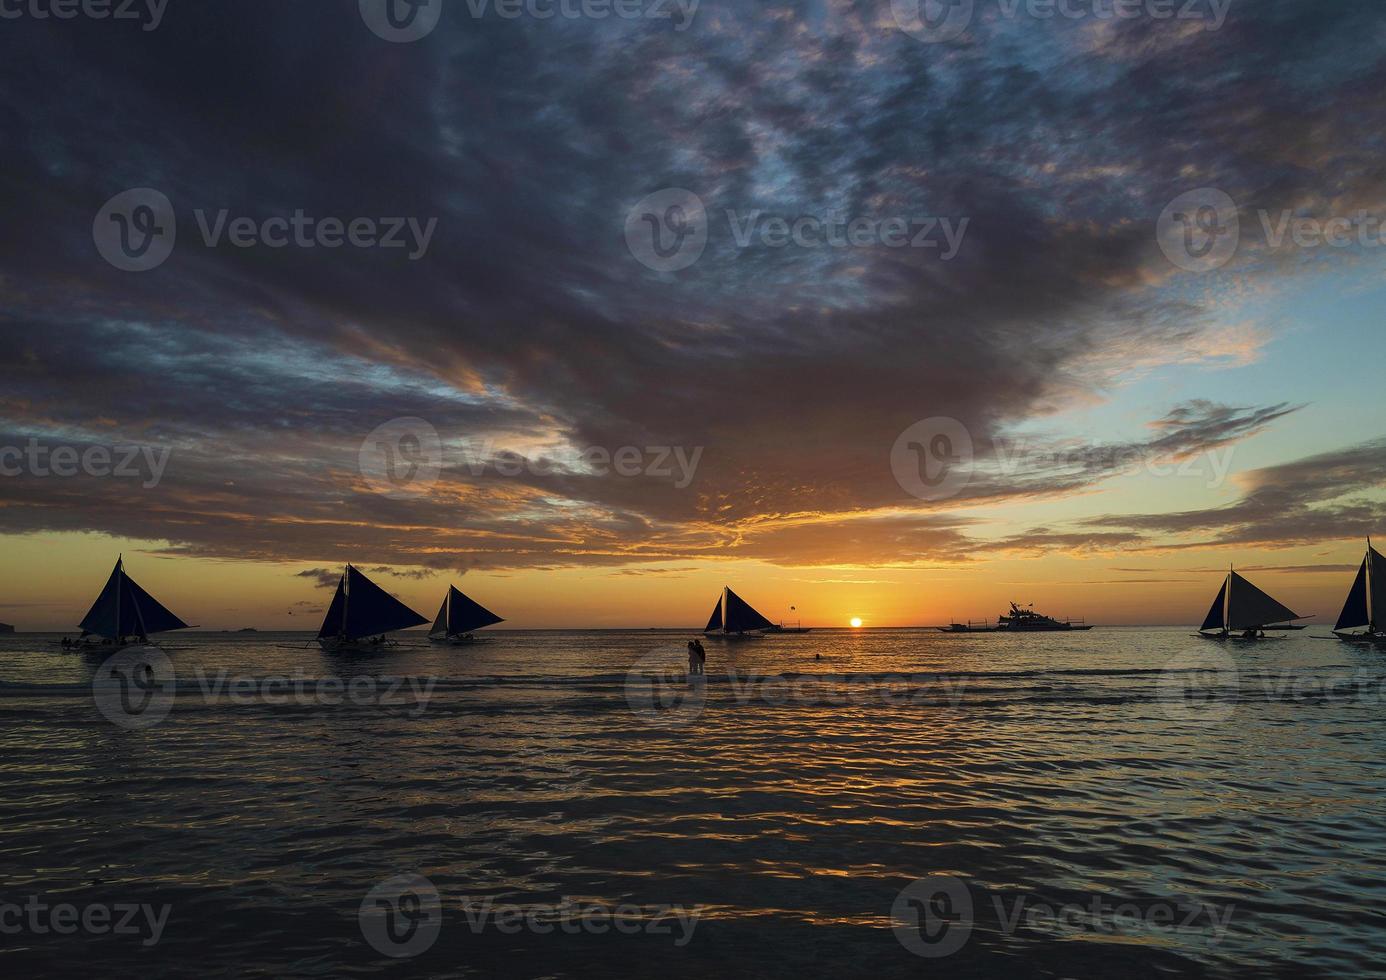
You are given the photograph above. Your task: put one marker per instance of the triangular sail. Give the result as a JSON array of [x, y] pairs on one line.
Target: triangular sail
[[1249, 608], [125, 609], [741, 617], [334, 623], [440, 623], [1355, 608], [1376, 594], [714, 623], [1213, 621], [371, 610], [153, 616], [465, 614]]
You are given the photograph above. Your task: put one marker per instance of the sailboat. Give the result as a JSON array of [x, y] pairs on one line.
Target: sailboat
[[458, 616], [735, 618], [124, 615], [361, 614], [1241, 611], [1365, 601]]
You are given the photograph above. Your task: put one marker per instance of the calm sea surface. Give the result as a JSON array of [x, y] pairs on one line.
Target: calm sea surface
[[1118, 803]]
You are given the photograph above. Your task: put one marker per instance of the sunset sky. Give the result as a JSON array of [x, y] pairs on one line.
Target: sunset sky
[[1137, 426]]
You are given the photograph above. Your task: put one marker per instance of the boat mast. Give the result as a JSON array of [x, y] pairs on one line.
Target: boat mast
[[1227, 601], [346, 596], [1371, 613], [120, 582]]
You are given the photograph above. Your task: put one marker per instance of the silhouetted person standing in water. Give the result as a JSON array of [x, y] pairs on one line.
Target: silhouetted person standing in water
[[692, 658]]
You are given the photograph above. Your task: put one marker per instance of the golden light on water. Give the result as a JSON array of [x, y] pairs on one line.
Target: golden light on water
[[856, 622]]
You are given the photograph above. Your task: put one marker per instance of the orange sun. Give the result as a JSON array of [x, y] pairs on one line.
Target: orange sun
[[856, 622]]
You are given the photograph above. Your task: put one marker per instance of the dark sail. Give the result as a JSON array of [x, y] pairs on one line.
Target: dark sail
[[1377, 590], [741, 617], [465, 615], [1213, 621], [1355, 609], [361, 608], [714, 623], [335, 621], [125, 609], [372, 611], [440, 622], [1249, 608]]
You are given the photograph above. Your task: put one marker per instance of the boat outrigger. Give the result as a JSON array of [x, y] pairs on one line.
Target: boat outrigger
[[458, 617], [1241, 611], [734, 618], [361, 614], [1365, 602], [123, 615], [968, 627]]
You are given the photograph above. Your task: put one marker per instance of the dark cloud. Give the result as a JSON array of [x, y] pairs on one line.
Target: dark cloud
[[528, 324]]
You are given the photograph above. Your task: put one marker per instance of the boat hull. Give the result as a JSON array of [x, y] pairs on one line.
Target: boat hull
[[1379, 639], [335, 645]]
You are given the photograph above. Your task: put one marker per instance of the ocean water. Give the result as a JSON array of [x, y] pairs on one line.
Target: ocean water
[[565, 803]]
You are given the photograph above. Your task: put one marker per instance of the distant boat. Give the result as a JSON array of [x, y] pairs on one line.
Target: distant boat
[[361, 614], [1241, 611], [458, 616], [782, 627], [734, 617], [1365, 601], [968, 627], [6, 628], [124, 615], [1020, 620]]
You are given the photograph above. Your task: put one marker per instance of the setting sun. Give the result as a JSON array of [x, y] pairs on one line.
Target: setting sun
[[856, 622]]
